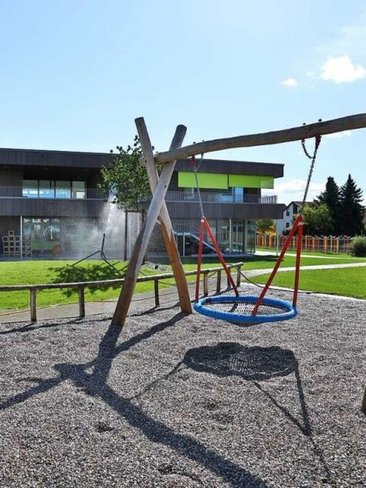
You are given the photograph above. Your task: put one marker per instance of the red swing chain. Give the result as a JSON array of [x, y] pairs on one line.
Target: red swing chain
[[205, 226]]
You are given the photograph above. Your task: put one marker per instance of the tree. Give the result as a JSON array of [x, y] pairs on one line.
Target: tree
[[351, 211], [265, 226], [317, 219], [126, 178], [330, 197]]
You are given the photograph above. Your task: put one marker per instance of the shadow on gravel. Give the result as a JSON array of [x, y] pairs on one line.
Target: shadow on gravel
[[256, 364], [96, 384], [92, 272]]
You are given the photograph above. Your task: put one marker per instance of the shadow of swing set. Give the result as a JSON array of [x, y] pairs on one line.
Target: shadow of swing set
[[158, 212], [244, 310]]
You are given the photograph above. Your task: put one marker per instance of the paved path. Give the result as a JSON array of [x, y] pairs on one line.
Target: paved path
[[257, 272], [107, 306]]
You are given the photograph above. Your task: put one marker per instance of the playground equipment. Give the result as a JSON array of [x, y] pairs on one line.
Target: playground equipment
[[249, 310], [159, 186]]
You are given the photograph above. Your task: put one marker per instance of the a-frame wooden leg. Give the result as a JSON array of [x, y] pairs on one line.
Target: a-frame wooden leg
[[363, 406], [164, 218], [143, 238]]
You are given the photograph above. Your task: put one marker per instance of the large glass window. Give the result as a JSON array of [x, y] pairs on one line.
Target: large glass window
[[44, 235], [238, 194], [46, 189], [63, 189], [251, 229], [238, 236], [53, 189], [30, 188], [78, 189]]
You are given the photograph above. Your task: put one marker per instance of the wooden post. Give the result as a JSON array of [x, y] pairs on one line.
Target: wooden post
[[81, 291], [164, 218], [218, 282], [156, 292], [205, 283], [363, 406], [33, 304], [143, 238], [125, 243], [238, 275]]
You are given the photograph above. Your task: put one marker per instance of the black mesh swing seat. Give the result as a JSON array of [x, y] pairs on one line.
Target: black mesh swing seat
[[239, 309]]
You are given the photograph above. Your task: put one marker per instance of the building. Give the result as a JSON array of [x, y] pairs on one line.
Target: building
[[289, 215], [231, 198], [50, 204]]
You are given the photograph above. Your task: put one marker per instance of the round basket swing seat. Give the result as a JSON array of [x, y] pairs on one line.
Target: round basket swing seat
[[238, 309]]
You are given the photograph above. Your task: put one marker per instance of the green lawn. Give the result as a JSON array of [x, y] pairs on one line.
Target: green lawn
[[350, 282], [42, 272]]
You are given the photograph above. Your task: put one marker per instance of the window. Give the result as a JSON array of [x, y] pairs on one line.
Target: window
[[63, 189], [188, 194], [30, 188], [54, 189], [46, 189], [44, 234], [238, 194], [78, 189]]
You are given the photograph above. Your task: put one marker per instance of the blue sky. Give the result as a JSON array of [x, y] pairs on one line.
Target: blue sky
[[75, 74]]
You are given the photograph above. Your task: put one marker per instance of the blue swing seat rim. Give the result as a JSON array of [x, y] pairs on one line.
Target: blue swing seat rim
[[289, 310]]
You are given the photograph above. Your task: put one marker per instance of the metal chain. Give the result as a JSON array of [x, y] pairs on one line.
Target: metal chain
[[311, 169], [195, 169]]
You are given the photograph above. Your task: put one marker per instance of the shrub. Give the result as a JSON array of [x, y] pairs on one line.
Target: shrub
[[358, 247]]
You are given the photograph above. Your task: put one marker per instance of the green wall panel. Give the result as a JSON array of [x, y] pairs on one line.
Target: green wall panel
[[212, 181], [251, 181], [217, 181]]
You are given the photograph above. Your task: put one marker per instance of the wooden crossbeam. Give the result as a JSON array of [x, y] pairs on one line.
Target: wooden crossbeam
[[142, 241], [276, 137]]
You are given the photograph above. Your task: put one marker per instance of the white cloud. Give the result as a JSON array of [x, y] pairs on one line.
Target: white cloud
[[290, 82], [338, 135], [342, 70], [293, 190]]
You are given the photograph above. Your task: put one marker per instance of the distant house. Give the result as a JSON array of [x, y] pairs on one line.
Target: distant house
[[289, 215]]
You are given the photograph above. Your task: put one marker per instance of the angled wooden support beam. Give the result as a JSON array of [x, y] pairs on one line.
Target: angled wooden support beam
[[164, 218], [350, 122], [143, 238]]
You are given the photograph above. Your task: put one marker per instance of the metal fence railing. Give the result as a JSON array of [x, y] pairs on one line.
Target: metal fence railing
[[325, 244]]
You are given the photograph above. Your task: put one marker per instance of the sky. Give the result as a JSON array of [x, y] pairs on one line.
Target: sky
[[74, 75]]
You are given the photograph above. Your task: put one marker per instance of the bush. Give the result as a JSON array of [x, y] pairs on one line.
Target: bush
[[358, 247]]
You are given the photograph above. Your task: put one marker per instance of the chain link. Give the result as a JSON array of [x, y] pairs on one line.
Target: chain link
[[311, 169]]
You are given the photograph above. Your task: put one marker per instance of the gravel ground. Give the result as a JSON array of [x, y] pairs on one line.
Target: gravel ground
[[186, 401]]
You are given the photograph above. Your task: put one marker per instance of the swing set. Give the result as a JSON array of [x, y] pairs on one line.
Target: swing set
[[240, 309], [249, 309]]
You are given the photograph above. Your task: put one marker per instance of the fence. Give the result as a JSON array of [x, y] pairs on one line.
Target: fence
[[80, 286], [325, 244]]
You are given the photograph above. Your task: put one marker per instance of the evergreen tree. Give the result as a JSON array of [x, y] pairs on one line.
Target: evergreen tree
[[350, 210], [330, 197]]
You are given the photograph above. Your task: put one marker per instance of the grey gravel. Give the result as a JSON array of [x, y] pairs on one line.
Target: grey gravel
[[186, 401]]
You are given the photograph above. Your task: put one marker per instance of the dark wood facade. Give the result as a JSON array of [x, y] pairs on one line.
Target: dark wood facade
[[18, 165]]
